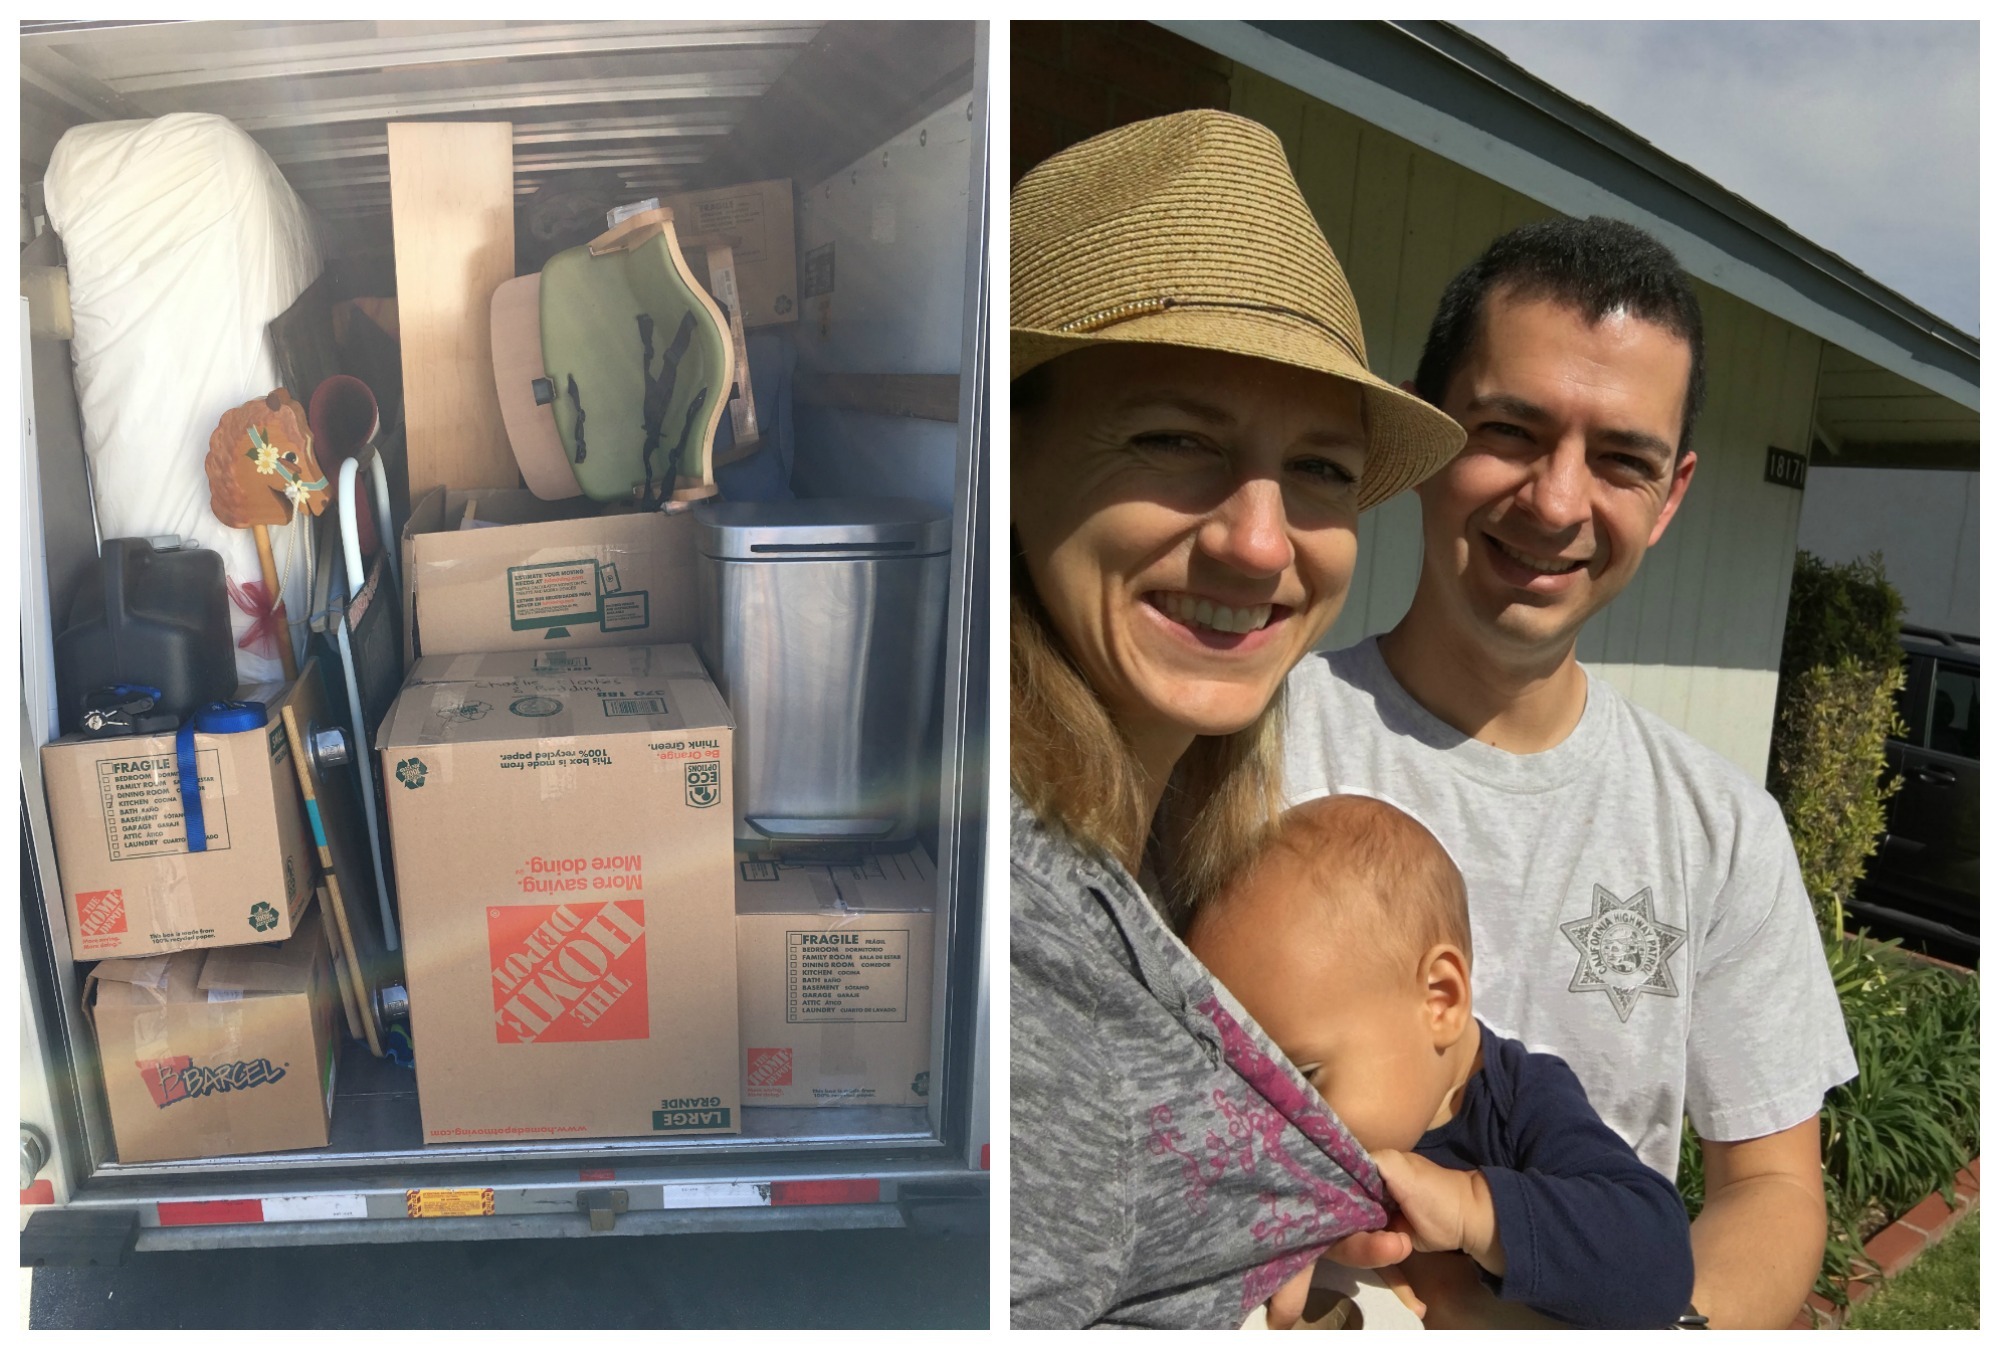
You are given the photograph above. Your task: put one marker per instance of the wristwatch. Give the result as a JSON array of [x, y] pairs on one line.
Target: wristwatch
[[1691, 1320]]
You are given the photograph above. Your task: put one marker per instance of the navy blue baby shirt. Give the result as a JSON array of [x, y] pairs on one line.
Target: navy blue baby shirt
[[1593, 1236]]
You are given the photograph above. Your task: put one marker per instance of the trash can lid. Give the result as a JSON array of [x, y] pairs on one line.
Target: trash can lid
[[823, 527]]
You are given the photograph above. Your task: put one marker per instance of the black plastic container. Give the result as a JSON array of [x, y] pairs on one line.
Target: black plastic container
[[152, 616]]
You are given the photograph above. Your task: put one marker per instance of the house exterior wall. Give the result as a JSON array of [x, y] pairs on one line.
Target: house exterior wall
[[1924, 523], [1696, 636]]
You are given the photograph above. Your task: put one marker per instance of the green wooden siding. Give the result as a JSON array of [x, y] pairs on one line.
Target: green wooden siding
[[1696, 636]]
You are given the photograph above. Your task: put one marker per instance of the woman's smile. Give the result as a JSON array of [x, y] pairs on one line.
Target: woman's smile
[[1207, 619]]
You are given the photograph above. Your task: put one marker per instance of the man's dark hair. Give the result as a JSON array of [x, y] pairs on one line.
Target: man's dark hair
[[1591, 266]]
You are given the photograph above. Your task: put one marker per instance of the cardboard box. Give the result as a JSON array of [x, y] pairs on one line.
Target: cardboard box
[[218, 1052], [758, 217], [562, 842], [550, 574], [834, 981], [130, 885]]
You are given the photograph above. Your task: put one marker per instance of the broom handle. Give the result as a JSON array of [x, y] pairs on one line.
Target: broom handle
[[269, 563]]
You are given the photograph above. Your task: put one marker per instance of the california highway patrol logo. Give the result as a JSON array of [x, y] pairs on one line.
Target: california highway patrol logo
[[1623, 950]]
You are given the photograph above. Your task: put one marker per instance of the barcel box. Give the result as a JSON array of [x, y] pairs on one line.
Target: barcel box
[[209, 1053], [561, 826]]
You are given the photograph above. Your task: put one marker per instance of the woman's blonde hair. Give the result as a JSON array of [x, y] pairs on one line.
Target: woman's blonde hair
[[1075, 771]]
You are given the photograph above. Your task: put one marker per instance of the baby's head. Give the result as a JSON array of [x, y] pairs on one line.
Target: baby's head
[[1347, 939]]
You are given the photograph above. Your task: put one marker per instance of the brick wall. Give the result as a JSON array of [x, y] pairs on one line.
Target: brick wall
[[1073, 79]]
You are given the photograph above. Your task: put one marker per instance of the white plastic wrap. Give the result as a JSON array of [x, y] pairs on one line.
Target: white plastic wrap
[[183, 241]]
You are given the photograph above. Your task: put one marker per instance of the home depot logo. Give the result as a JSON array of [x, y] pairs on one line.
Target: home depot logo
[[180, 1079], [572, 972], [769, 1068], [100, 915]]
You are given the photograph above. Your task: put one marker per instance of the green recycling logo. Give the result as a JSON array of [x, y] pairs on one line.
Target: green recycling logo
[[263, 916], [921, 1085], [410, 773]]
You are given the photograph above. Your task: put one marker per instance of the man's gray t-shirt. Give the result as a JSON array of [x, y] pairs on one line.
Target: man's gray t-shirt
[[1636, 902]]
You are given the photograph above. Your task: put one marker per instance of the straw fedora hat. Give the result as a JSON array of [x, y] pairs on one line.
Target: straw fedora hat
[[1189, 230]]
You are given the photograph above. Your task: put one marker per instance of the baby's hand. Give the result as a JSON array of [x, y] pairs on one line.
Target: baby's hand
[[1442, 1210]]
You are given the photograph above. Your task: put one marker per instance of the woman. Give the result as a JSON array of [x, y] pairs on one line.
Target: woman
[[1195, 433]]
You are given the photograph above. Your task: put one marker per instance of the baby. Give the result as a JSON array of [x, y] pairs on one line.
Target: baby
[[1348, 941]]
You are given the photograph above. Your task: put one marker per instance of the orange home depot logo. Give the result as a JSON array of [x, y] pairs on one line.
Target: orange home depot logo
[[573, 972], [769, 1068], [100, 916]]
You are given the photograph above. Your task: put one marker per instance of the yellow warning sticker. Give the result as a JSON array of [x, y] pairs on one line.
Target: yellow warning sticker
[[448, 1204]]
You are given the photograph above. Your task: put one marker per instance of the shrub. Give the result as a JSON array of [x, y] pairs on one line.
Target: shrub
[[1908, 1120], [1838, 676]]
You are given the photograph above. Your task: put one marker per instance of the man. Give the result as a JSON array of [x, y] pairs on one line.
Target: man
[[1636, 902]]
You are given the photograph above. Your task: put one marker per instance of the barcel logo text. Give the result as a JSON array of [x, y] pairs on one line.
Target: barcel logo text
[[180, 1079], [574, 972]]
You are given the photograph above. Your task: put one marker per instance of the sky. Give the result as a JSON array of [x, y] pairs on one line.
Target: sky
[[1863, 136]]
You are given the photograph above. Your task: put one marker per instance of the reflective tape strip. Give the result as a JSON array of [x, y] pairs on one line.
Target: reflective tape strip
[[986, 1157], [43, 1192], [451, 1203], [858, 1191], [296, 1208], [713, 1195], [175, 1213]]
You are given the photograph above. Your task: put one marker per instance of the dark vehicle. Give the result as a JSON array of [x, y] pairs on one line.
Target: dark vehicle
[[1924, 876]]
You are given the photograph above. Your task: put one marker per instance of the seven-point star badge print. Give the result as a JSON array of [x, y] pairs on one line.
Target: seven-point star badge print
[[1623, 950]]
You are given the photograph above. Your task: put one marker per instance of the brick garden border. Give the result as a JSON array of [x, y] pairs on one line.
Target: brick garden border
[[1895, 1248]]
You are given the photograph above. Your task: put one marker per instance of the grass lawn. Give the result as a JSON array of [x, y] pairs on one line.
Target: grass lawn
[[1940, 1291]]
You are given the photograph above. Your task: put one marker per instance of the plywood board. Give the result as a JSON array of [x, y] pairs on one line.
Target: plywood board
[[451, 186]]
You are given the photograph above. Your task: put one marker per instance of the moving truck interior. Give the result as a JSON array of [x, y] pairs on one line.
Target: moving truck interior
[[870, 382]]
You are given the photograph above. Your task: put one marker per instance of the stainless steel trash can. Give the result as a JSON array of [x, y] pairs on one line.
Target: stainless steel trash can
[[822, 623]]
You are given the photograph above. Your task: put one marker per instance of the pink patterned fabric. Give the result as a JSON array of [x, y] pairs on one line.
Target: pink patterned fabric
[[1247, 1131]]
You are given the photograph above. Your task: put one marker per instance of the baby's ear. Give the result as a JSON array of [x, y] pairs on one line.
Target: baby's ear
[[1447, 993]]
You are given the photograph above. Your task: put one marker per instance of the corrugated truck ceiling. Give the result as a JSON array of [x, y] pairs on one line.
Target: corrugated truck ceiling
[[666, 105]]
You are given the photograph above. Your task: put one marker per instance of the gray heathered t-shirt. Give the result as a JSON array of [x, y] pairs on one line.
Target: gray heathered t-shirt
[[1636, 902], [1169, 1167]]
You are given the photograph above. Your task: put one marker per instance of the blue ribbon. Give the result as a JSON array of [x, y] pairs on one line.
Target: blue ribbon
[[215, 719], [197, 828]]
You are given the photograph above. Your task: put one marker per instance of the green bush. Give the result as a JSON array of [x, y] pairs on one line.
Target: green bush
[[1909, 1119], [1838, 676]]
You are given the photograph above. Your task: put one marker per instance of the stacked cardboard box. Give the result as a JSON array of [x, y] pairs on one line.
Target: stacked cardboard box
[[834, 979], [211, 1053], [131, 887], [562, 837], [496, 569]]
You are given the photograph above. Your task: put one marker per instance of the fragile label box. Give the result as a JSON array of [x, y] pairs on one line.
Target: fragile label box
[[212, 1053], [521, 574], [130, 885], [756, 218], [834, 981], [562, 841]]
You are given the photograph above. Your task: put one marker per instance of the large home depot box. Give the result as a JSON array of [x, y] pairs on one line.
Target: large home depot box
[[131, 887], [208, 1053], [562, 841], [834, 981], [756, 220], [497, 569]]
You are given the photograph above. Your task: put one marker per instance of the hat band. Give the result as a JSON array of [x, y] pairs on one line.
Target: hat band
[[1140, 309]]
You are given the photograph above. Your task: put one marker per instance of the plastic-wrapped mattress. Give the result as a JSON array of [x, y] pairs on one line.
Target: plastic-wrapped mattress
[[183, 241]]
